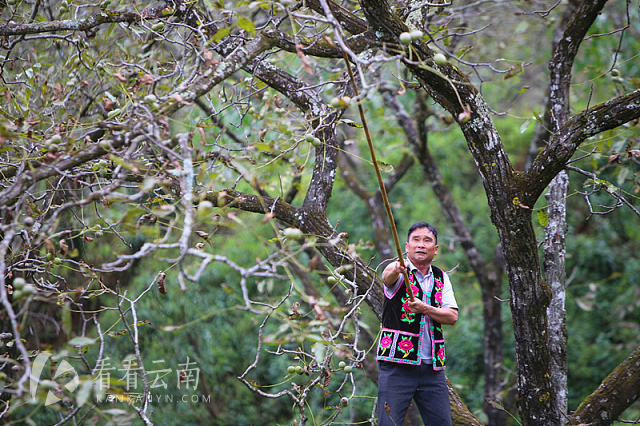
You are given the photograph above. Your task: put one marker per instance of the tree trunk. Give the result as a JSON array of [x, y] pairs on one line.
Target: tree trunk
[[492, 351], [529, 300], [554, 267]]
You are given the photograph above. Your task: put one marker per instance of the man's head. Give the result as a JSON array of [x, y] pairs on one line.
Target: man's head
[[419, 225], [422, 243]]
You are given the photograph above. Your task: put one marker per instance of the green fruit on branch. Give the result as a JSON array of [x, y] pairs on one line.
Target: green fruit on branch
[[342, 365], [19, 283], [293, 234], [150, 99], [439, 59], [405, 38], [416, 35], [205, 208], [291, 369], [54, 139], [113, 113]]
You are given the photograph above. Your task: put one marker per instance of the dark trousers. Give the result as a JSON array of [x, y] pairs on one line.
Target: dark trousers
[[399, 383]]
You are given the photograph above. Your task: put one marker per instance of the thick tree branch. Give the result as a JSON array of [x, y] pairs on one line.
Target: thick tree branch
[[44, 171], [615, 394], [211, 77], [399, 171], [564, 53], [578, 128], [314, 223], [350, 177], [323, 120], [317, 48], [577, 19], [348, 20], [417, 140], [84, 24], [567, 37]]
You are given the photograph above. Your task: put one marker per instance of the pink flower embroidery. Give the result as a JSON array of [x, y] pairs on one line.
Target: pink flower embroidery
[[405, 345], [439, 297], [414, 289], [407, 315], [438, 285], [386, 341], [441, 354]]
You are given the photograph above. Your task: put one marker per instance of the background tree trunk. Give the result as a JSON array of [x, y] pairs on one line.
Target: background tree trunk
[[554, 267]]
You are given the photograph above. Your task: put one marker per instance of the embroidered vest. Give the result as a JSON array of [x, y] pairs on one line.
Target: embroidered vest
[[402, 332]]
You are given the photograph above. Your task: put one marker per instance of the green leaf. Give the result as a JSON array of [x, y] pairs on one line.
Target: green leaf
[[537, 116], [131, 215], [350, 123], [115, 412], [263, 147], [543, 217], [81, 341], [66, 318], [246, 25], [221, 33], [83, 394], [524, 126], [319, 350]]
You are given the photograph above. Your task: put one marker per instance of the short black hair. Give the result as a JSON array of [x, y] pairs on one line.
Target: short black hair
[[419, 225]]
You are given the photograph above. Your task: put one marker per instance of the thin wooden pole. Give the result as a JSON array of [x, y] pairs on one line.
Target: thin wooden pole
[[383, 190]]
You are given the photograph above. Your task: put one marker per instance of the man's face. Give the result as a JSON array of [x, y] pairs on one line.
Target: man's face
[[421, 247]]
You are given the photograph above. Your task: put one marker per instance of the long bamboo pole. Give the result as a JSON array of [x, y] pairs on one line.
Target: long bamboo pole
[[383, 190]]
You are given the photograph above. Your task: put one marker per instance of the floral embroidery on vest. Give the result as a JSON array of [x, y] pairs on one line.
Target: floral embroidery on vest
[[406, 316], [402, 332], [405, 346], [435, 329], [385, 342]]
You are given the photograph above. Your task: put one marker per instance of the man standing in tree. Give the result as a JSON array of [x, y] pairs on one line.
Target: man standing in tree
[[411, 355]]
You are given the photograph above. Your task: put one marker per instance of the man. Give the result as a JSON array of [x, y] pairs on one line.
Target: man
[[411, 356]]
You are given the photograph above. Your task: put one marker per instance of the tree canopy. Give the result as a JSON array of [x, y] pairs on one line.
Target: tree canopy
[[187, 199]]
